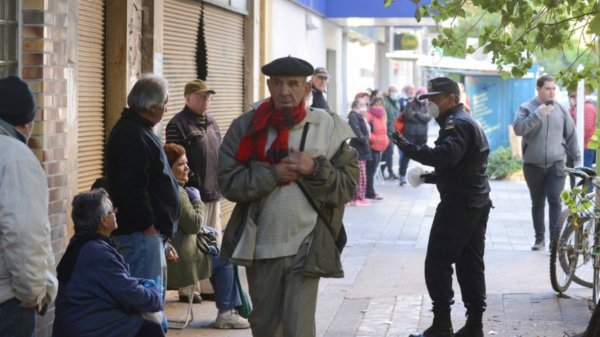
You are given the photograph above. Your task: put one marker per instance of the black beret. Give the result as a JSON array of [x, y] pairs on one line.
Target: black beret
[[288, 66], [17, 105]]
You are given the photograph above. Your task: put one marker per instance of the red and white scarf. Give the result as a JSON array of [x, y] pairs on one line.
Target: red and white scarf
[[253, 143]]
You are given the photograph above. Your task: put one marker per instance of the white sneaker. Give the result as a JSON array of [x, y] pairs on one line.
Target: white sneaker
[[230, 319]]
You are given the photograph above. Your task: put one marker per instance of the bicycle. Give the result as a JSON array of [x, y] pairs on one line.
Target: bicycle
[[575, 246]]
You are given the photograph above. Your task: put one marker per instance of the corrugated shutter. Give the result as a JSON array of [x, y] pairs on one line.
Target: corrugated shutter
[[224, 34], [90, 95]]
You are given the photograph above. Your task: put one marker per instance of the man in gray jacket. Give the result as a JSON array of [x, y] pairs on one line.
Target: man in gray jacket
[[548, 137], [27, 272]]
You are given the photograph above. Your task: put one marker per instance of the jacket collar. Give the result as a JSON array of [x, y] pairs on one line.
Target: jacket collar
[[135, 117], [8, 129], [189, 114], [441, 120]]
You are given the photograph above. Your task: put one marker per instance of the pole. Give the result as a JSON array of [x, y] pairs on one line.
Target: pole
[[580, 116]]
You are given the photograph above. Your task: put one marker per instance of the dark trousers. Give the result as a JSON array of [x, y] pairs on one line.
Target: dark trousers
[[16, 320], [545, 183], [388, 157], [457, 237], [371, 169], [150, 329], [223, 282], [419, 140]]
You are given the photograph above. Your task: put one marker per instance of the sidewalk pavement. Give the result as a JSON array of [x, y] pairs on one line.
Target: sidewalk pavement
[[384, 293]]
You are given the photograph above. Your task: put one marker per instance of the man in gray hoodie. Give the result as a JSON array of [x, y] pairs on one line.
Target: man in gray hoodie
[[548, 136]]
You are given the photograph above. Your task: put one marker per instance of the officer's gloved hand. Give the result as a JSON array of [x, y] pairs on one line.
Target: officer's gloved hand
[[192, 193], [429, 177], [399, 139], [545, 109]]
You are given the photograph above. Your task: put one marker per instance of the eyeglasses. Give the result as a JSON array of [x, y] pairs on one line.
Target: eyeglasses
[[114, 211]]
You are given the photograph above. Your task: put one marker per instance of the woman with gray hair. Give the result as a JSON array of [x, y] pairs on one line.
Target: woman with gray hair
[[96, 295]]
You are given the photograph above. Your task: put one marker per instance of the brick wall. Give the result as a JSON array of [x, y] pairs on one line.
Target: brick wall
[[45, 65]]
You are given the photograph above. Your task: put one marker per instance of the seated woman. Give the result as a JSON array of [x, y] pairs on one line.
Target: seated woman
[[193, 263], [96, 294]]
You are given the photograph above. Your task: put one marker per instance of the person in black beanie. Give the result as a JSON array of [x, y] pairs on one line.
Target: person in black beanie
[[27, 270]]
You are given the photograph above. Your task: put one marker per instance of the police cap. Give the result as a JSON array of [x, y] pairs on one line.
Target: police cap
[[440, 85]]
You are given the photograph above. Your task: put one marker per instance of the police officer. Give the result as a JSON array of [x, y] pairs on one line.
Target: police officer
[[457, 235]]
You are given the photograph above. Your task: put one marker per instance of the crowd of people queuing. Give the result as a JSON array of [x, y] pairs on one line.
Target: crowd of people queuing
[[290, 164]]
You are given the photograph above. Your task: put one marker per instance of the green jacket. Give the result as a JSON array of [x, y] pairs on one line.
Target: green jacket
[[392, 111], [332, 184], [193, 264]]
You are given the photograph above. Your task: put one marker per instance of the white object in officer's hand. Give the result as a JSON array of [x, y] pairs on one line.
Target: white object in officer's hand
[[413, 176]]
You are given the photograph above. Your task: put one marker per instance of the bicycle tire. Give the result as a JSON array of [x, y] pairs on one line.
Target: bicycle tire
[[596, 259], [596, 285], [584, 267], [562, 260]]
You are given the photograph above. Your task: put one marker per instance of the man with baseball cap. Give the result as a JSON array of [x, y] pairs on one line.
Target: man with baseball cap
[[319, 80], [197, 131], [27, 270], [287, 167], [457, 235]]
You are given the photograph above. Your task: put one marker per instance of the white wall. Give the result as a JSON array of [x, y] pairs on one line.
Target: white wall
[[360, 68], [290, 36]]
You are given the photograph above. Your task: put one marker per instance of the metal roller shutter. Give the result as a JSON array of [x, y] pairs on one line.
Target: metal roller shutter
[[90, 95], [224, 34]]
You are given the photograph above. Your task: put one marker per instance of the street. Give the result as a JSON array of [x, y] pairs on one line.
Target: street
[[384, 293]]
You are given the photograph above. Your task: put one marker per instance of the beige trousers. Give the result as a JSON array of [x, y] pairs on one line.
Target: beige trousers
[[284, 301]]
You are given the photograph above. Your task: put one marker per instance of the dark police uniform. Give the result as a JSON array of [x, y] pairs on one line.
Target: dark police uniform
[[458, 232]]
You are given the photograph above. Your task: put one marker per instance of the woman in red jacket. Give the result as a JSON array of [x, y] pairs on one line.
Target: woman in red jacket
[[378, 141]]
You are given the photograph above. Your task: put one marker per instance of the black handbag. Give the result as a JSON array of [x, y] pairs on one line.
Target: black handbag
[[207, 242]]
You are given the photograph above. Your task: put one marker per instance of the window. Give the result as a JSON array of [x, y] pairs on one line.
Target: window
[[8, 38]]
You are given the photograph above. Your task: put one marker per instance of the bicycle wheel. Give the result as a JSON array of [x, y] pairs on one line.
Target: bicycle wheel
[[584, 267], [596, 259], [562, 257]]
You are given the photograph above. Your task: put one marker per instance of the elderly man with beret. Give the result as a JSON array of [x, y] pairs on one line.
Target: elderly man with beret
[[290, 172], [27, 271]]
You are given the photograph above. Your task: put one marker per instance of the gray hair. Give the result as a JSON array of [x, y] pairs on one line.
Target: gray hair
[[150, 90], [88, 208]]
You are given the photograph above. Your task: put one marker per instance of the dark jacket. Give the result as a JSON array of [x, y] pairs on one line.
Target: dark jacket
[[459, 157], [361, 142], [416, 118], [201, 143], [139, 177], [101, 298], [319, 100]]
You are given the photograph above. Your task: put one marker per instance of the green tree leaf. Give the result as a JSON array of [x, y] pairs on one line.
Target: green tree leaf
[[594, 26]]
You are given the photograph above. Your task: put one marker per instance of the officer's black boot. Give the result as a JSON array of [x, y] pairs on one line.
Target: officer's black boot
[[441, 326], [473, 327]]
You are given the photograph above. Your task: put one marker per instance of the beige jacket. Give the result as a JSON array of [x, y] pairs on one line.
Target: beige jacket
[[332, 184]]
